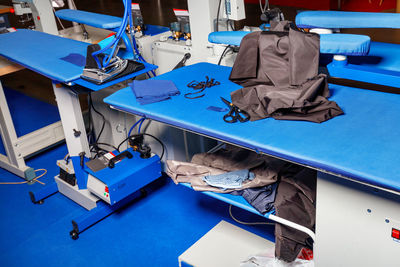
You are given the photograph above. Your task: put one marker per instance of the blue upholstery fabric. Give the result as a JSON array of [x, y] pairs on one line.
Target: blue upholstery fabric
[[92, 19], [227, 37], [343, 19], [362, 144], [343, 44], [154, 30], [44, 53]]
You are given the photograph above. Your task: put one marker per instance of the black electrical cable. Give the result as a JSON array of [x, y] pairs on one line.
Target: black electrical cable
[[224, 54], [105, 144], [158, 140], [95, 145], [232, 24], [102, 116], [219, 8], [90, 127]]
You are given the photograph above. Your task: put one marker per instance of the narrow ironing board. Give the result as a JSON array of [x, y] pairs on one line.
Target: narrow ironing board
[[103, 21], [48, 55]]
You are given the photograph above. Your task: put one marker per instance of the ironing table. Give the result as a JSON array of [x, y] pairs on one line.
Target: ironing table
[[62, 60], [356, 155]]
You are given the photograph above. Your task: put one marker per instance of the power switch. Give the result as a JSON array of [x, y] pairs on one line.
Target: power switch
[[396, 234]]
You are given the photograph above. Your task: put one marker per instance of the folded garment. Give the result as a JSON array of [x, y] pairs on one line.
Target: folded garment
[[229, 180], [151, 91]]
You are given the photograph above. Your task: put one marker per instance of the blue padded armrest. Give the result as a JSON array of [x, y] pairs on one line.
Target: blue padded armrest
[[92, 19], [344, 44], [227, 37], [338, 44], [343, 19]]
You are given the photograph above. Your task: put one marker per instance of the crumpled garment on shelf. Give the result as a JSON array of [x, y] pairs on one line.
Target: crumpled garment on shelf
[[266, 169], [229, 180], [234, 158], [261, 198], [184, 172], [295, 194]]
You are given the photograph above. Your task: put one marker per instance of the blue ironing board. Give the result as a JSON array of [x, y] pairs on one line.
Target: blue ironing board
[[362, 144], [48, 55]]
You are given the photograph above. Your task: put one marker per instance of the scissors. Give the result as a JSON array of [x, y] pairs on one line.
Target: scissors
[[235, 114]]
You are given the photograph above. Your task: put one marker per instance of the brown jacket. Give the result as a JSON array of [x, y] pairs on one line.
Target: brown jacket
[[278, 70]]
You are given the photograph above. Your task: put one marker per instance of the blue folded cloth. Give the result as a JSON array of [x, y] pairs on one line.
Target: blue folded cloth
[[229, 180], [151, 91], [75, 59]]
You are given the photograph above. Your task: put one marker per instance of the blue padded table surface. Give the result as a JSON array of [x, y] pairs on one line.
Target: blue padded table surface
[[43, 53], [363, 144]]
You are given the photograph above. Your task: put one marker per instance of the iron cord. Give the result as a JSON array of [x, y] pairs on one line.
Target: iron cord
[[224, 53], [34, 180], [94, 145], [247, 223], [219, 9]]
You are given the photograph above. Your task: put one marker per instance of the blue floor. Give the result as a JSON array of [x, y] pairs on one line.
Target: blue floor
[[152, 231], [24, 111]]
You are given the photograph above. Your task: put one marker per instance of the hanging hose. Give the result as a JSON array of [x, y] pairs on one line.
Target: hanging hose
[[127, 18], [117, 37]]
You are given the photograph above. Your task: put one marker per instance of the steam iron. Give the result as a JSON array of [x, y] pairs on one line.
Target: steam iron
[[93, 73], [117, 67], [102, 75]]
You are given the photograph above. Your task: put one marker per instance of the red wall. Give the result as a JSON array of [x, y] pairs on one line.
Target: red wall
[[305, 4], [347, 5]]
